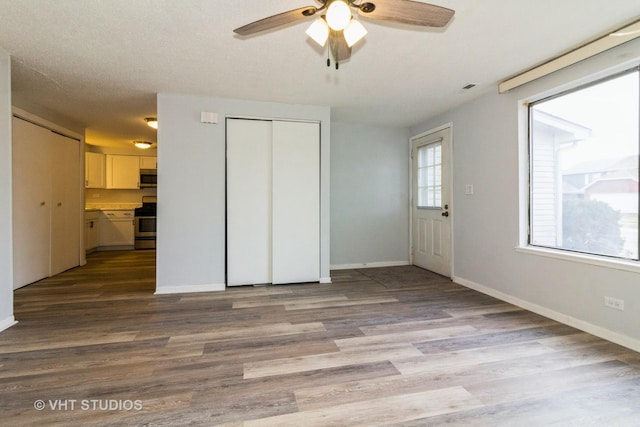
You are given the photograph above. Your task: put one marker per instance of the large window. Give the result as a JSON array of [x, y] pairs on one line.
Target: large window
[[584, 147]]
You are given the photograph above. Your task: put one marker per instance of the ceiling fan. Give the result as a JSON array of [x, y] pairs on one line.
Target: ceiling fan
[[336, 24]]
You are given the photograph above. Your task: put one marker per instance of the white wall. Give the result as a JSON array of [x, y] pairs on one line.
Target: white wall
[[369, 195], [487, 150], [6, 260], [191, 187]]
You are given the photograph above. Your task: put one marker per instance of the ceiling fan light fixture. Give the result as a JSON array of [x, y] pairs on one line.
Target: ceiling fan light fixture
[[354, 32], [319, 31], [143, 145], [338, 15], [152, 122], [344, 30]]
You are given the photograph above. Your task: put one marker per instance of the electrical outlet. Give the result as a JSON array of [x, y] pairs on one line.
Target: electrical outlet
[[616, 303], [468, 189]]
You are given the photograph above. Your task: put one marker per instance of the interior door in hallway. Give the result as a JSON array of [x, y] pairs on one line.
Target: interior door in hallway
[[431, 201]]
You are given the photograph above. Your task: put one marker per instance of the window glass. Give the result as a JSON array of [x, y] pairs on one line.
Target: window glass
[[584, 150], [430, 175]]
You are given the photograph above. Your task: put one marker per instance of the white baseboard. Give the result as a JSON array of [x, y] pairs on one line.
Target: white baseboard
[[325, 280], [598, 331], [7, 323], [368, 265], [187, 289]]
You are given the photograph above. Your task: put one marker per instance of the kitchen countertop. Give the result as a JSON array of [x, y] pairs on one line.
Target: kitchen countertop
[[111, 207]]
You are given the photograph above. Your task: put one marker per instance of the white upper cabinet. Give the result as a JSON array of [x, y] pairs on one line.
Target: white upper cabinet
[[94, 176], [148, 162], [123, 172]]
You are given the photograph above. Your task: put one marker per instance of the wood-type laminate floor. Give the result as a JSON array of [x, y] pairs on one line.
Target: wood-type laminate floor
[[395, 346]]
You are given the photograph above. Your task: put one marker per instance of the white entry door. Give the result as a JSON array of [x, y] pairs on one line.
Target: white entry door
[[431, 201]]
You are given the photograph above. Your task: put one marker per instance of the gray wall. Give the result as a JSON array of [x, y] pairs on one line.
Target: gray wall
[[369, 195], [6, 241], [191, 187], [488, 148]]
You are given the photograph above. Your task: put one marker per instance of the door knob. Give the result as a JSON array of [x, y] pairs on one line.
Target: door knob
[[445, 213]]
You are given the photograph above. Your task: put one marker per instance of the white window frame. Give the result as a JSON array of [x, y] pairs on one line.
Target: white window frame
[[523, 245]]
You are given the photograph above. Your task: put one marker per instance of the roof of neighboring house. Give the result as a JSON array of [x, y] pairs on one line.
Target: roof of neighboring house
[[568, 188], [621, 163], [574, 131]]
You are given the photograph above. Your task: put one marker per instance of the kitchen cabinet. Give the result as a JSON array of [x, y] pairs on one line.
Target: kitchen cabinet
[[91, 231], [47, 214], [148, 162], [123, 172], [94, 173], [116, 229]]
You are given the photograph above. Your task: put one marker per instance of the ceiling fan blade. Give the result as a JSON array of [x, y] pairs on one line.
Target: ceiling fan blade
[[408, 12], [338, 46], [276, 21]]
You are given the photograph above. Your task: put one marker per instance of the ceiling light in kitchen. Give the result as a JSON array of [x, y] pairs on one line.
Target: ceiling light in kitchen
[[142, 144], [152, 122]]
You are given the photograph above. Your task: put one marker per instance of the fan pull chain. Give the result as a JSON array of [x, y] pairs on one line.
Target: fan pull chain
[[329, 60]]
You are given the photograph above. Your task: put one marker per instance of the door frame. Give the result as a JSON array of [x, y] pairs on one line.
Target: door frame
[[451, 198]]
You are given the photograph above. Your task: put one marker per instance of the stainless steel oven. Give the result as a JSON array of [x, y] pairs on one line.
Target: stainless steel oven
[[145, 224], [145, 233]]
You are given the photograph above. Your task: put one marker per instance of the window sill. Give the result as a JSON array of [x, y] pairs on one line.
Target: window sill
[[632, 266]]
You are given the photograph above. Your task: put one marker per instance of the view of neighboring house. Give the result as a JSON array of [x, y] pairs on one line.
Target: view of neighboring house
[[611, 180], [552, 135], [614, 182]]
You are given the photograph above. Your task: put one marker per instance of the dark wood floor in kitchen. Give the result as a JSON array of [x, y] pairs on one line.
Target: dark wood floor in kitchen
[[385, 346]]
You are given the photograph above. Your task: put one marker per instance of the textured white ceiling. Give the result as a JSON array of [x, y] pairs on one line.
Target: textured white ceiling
[[100, 63]]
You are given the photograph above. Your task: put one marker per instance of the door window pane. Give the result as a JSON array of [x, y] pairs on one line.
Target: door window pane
[[430, 175]]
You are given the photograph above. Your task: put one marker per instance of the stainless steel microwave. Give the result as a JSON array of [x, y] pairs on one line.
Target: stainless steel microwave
[[148, 178]]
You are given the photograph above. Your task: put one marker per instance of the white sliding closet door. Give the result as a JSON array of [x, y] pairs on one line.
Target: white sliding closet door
[[31, 202], [273, 202], [248, 202], [47, 209], [65, 204], [296, 202]]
